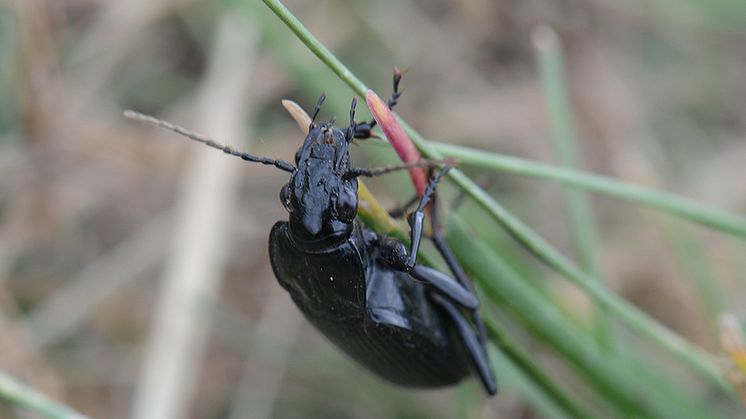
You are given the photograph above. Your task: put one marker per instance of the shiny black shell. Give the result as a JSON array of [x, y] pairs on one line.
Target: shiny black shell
[[381, 318]]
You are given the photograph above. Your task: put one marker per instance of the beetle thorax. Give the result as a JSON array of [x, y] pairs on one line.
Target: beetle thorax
[[322, 203]]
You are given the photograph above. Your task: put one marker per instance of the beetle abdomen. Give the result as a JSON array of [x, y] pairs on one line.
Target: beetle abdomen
[[387, 324], [395, 354]]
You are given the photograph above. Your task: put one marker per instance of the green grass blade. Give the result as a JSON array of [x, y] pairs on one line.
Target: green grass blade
[[317, 47], [691, 254], [517, 381], [20, 395], [608, 375], [682, 207], [625, 312], [533, 375], [551, 64]]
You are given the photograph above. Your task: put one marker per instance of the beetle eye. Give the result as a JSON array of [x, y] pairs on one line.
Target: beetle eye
[[346, 206], [285, 198]]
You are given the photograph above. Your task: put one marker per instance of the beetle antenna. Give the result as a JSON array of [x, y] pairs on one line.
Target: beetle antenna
[[350, 134], [137, 116], [367, 127], [398, 73], [320, 102]]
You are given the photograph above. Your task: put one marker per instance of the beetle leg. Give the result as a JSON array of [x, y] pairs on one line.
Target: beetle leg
[[446, 286], [364, 130], [446, 253], [473, 345], [401, 210], [394, 254], [458, 272], [354, 172], [417, 218], [417, 226]]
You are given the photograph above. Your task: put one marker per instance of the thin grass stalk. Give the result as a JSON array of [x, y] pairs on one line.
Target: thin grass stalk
[[17, 394], [692, 256], [532, 372], [636, 319], [552, 66], [622, 310], [683, 207], [607, 375], [516, 380]]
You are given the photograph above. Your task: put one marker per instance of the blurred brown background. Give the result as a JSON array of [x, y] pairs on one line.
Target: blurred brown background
[[108, 229]]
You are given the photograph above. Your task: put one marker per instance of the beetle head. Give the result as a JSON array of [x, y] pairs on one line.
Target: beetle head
[[322, 203]]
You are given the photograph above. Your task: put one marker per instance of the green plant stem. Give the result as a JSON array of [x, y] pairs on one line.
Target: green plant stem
[[316, 47], [625, 312], [691, 254], [532, 371], [552, 66], [516, 380], [20, 395], [608, 374], [636, 319], [682, 207]]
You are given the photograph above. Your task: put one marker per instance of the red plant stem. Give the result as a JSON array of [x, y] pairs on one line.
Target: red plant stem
[[398, 139]]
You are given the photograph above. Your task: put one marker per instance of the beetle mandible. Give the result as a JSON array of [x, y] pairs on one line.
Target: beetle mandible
[[364, 291]]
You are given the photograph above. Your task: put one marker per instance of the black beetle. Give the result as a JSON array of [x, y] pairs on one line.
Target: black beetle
[[364, 291]]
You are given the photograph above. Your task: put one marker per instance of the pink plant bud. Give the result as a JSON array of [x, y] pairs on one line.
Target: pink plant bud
[[398, 139]]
